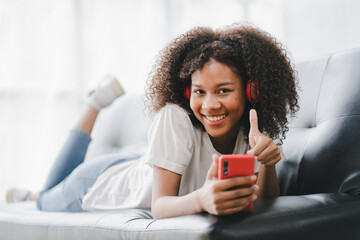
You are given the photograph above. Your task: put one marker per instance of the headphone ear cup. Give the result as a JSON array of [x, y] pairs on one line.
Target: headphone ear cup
[[187, 92], [252, 92]]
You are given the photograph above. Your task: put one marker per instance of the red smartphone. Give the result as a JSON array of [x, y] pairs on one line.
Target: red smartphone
[[234, 165]]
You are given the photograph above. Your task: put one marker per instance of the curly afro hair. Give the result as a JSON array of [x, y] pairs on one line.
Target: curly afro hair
[[250, 52]]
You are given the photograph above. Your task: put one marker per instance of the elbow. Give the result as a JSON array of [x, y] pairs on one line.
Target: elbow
[[156, 211], [156, 215], [270, 194]]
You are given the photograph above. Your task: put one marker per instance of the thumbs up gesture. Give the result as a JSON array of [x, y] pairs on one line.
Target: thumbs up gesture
[[262, 147]]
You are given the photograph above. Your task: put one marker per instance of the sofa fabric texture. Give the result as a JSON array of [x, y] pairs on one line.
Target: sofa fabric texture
[[319, 180]]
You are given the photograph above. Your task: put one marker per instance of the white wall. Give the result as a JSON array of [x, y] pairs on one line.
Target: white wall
[[313, 28]]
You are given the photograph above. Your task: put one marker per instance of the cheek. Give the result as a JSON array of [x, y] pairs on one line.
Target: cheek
[[194, 105], [237, 102], [191, 104]]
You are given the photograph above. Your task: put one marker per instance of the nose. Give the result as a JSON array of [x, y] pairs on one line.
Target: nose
[[211, 102]]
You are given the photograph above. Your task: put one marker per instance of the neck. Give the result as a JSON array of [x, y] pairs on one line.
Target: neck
[[226, 144]]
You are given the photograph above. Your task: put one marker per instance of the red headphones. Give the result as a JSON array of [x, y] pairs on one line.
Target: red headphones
[[187, 91], [252, 92]]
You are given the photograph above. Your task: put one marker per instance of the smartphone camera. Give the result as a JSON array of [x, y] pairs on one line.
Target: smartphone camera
[[226, 168]]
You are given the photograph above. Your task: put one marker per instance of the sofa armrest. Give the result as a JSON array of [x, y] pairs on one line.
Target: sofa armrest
[[316, 216]]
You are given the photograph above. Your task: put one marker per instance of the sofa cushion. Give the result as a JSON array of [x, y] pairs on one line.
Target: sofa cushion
[[23, 221], [329, 216]]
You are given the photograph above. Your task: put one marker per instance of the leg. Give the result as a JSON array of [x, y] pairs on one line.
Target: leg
[[74, 150], [68, 194], [70, 178], [70, 156], [87, 120], [108, 90]]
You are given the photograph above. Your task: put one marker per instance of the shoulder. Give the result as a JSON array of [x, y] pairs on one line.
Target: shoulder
[[171, 139], [172, 119], [171, 108], [173, 114]]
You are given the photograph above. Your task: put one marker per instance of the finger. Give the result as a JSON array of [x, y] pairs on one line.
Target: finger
[[232, 210], [262, 143], [236, 193], [272, 152], [213, 170], [273, 161], [251, 152], [254, 129], [225, 184], [253, 121], [237, 205]]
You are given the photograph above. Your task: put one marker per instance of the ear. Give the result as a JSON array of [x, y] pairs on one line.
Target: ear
[[187, 91], [252, 92]]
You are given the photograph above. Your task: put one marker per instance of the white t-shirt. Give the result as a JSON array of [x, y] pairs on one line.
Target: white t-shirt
[[174, 144]]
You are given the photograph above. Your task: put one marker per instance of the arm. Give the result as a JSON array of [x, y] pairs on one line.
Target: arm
[[165, 200], [213, 197], [268, 182]]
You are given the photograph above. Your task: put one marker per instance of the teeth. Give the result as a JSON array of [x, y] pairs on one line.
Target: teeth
[[217, 118]]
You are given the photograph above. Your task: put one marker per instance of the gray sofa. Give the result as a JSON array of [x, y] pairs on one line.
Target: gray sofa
[[320, 178]]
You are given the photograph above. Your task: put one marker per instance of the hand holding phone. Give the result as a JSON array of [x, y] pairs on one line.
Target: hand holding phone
[[233, 165]]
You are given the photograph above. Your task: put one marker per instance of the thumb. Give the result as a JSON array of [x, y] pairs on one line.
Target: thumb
[[254, 129], [213, 170], [251, 152], [253, 121]]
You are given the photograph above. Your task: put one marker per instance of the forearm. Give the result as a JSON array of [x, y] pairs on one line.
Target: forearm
[[268, 182], [172, 206]]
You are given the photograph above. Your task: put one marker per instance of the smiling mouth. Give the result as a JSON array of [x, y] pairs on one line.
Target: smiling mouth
[[215, 118]]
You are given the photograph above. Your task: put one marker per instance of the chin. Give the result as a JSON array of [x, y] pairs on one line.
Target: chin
[[215, 134]]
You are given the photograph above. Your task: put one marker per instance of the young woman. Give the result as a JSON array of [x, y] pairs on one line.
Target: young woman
[[225, 91], [199, 87]]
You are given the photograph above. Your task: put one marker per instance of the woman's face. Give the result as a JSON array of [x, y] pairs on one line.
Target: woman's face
[[218, 99]]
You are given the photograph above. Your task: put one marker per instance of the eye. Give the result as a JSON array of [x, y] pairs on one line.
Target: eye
[[224, 90], [198, 91]]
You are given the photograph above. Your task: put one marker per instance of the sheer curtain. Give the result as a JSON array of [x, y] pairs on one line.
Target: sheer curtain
[[52, 52], [39, 72]]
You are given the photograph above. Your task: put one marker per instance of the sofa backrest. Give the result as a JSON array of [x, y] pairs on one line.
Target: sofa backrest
[[120, 127], [322, 147]]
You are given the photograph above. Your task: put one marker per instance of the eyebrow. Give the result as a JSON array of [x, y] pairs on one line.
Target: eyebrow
[[219, 85]]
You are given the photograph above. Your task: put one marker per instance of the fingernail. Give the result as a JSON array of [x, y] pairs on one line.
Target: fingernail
[[253, 178], [253, 197]]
